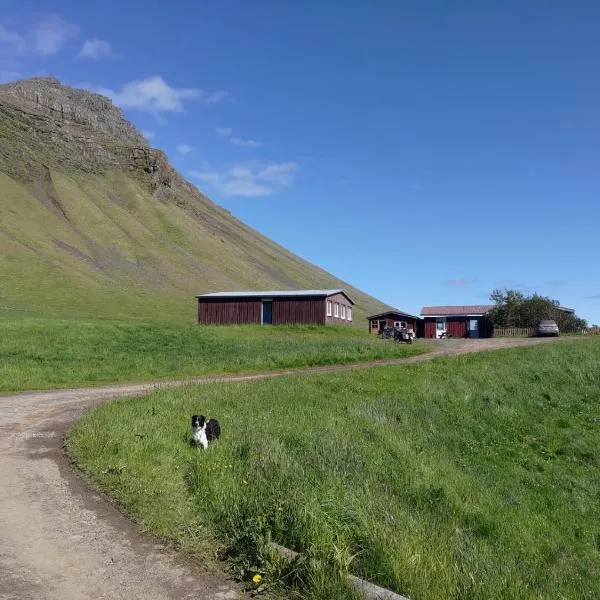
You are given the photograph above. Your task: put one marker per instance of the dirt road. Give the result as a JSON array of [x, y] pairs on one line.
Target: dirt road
[[61, 541]]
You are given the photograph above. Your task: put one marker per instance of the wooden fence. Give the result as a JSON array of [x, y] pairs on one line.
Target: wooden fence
[[513, 331]]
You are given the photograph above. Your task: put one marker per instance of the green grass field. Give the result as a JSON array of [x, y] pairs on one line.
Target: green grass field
[[470, 477], [42, 352]]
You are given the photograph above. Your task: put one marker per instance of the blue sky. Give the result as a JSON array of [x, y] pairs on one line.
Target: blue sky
[[426, 152]]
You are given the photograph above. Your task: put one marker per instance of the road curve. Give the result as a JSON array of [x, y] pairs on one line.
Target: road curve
[[59, 540]]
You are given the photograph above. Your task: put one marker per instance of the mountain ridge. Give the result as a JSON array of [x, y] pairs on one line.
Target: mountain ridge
[[93, 220]]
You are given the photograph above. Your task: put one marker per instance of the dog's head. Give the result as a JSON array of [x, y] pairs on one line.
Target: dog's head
[[198, 421]]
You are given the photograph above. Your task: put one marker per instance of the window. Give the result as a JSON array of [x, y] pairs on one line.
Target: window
[[403, 324], [336, 309], [396, 323], [343, 312], [349, 313], [328, 308], [374, 324]]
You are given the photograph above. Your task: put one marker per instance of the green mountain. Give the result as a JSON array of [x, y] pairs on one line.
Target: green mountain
[[93, 221]]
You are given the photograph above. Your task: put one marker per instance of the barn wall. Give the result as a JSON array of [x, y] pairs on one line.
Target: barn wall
[[341, 300], [459, 326], [307, 311], [215, 311]]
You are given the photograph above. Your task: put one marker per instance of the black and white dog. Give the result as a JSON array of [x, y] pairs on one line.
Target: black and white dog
[[204, 430]]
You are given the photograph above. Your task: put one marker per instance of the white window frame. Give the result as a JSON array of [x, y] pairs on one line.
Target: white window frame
[[343, 313], [403, 325], [328, 308], [397, 324], [349, 313], [336, 310]]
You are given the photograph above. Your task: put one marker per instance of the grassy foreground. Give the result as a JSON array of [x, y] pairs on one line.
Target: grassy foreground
[[471, 477], [44, 352]]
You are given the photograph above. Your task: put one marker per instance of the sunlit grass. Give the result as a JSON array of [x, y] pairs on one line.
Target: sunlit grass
[[470, 477], [42, 352]]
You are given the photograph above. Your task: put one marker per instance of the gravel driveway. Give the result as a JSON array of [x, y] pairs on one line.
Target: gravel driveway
[[59, 540]]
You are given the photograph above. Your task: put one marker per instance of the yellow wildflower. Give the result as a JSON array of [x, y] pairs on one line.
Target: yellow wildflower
[[257, 578]]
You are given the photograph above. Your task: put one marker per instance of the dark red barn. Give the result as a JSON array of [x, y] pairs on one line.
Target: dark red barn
[[305, 307]]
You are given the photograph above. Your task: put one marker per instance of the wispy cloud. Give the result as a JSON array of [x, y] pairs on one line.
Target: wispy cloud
[[227, 132], [250, 179], [594, 297], [96, 50], [184, 148], [153, 95], [148, 134], [51, 33], [11, 42], [460, 282], [216, 97], [236, 141]]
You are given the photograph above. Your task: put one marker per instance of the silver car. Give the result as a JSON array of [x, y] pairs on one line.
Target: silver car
[[547, 327]]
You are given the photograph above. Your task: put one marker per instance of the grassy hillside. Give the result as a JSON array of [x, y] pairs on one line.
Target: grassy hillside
[[472, 477], [110, 229]]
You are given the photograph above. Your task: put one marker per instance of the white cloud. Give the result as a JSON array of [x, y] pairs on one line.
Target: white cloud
[[184, 148], [224, 131], [51, 33], [153, 95], [96, 49], [246, 143], [148, 134], [11, 42], [251, 179]]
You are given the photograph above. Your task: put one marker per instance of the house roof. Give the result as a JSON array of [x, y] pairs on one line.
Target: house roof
[[456, 311], [565, 309], [276, 294], [392, 312]]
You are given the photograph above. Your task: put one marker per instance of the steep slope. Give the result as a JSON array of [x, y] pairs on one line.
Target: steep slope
[[93, 221]]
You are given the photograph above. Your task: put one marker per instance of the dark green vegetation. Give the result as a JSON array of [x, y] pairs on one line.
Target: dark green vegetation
[[470, 477], [512, 308], [44, 353], [95, 222]]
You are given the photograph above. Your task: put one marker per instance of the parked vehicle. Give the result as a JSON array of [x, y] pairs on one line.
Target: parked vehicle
[[398, 334], [547, 327]]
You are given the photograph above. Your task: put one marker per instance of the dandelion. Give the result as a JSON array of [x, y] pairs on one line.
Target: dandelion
[[257, 578]]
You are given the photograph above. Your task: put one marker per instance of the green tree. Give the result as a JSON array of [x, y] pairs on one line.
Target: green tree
[[513, 309]]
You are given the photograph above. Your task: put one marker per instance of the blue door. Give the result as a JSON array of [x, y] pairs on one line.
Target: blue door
[[473, 328], [267, 313]]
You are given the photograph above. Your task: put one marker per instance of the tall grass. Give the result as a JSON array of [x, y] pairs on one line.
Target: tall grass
[[470, 477], [42, 352]]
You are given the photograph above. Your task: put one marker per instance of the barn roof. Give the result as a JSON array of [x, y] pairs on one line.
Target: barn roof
[[392, 312], [276, 294], [466, 310]]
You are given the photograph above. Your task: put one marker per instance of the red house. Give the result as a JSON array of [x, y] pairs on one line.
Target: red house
[[457, 321], [306, 307]]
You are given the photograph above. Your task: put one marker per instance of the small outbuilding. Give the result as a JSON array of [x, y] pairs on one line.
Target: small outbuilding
[[468, 321], [394, 318], [282, 307]]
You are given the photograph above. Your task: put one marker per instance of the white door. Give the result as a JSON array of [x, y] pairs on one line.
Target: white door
[[440, 327]]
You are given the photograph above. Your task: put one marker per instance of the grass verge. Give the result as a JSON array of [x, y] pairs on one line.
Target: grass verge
[[470, 477], [44, 353]]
